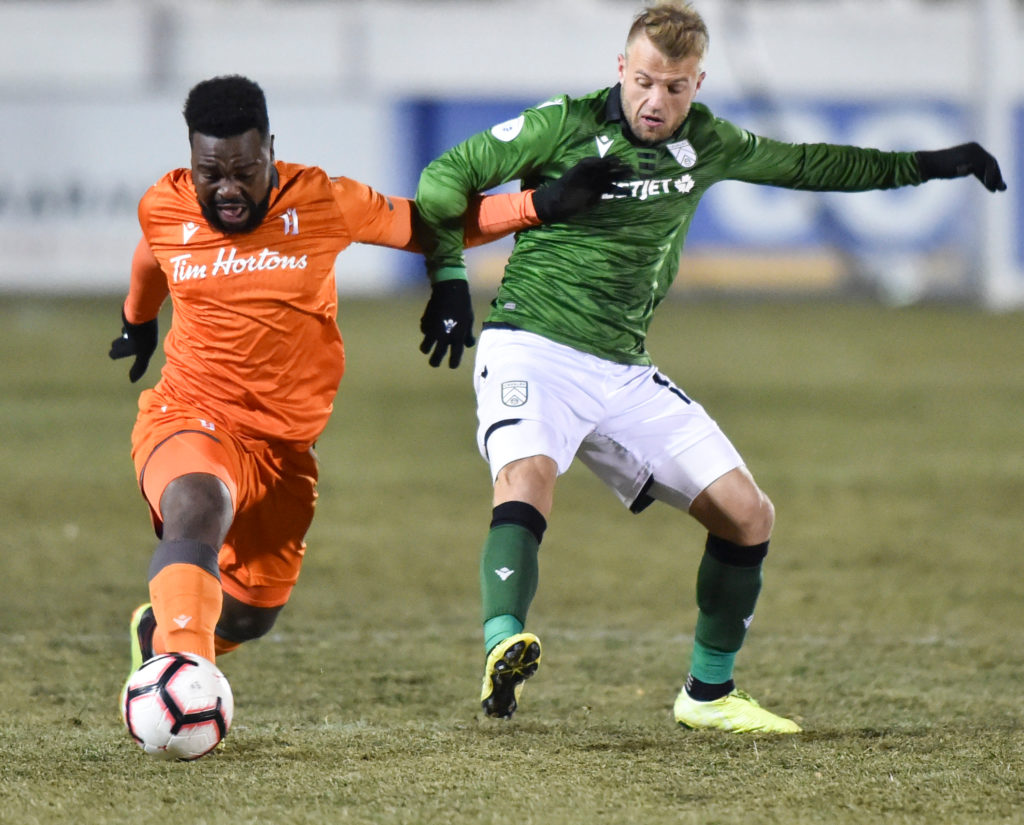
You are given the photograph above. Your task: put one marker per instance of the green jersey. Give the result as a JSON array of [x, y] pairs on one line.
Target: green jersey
[[593, 282]]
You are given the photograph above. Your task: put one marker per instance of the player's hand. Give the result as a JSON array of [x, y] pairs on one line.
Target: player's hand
[[959, 161], [580, 188], [447, 322], [138, 340]]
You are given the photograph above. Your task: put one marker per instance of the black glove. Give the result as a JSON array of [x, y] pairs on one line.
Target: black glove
[[959, 161], [138, 340], [447, 322], [579, 188]]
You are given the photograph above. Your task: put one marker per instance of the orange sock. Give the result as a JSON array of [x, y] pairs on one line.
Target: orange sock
[[186, 604]]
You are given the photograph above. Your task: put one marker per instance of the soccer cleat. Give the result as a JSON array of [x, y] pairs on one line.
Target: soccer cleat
[[142, 625], [510, 663], [141, 628], [737, 712]]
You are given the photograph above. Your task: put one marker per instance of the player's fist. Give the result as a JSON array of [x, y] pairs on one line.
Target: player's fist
[[138, 340], [580, 188], [959, 161], [447, 322]]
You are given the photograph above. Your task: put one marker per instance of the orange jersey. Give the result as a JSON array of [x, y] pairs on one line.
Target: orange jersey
[[254, 341]]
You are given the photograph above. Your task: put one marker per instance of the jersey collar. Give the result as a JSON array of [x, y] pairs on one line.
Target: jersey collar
[[613, 105]]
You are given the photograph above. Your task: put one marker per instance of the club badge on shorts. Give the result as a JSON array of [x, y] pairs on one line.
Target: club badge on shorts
[[514, 393]]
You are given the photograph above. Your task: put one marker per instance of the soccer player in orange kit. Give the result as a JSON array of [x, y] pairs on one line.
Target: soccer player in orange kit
[[223, 444]]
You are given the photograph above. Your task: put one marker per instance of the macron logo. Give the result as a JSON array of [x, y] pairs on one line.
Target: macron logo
[[182, 620], [187, 231], [503, 573], [603, 145]]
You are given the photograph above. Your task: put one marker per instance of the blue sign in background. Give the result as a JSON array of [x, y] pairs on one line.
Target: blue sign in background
[[740, 217]]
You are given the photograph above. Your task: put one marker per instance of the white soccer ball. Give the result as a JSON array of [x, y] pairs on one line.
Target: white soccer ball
[[178, 706]]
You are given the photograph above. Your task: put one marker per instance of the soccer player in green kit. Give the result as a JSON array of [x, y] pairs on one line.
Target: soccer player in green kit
[[562, 370]]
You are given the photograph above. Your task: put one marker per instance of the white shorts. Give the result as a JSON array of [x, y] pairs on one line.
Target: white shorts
[[636, 430]]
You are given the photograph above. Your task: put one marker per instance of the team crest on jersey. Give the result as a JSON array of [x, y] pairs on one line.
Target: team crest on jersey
[[509, 130], [684, 153], [291, 221], [514, 393]]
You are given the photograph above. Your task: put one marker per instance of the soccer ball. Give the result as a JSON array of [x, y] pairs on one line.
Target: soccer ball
[[178, 706]]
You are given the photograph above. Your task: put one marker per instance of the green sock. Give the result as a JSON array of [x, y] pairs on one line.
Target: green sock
[[508, 579], [500, 628], [728, 584], [710, 665]]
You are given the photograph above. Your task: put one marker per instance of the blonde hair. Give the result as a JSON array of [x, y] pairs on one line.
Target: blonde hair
[[675, 29]]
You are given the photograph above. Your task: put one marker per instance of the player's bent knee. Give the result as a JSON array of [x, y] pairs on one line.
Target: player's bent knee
[[753, 524], [196, 505], [527, 481], [736, 509], [241, 622], [763, 520]]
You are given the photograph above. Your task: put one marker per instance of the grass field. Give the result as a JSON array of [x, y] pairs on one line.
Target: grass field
[[889, 625]]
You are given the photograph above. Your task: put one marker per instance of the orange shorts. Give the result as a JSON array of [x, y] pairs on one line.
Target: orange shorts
[[272, 486]]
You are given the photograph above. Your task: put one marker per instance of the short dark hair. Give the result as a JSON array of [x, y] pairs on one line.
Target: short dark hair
[[226, 106]]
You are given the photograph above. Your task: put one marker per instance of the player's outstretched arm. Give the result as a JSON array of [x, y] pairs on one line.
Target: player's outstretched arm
[[960, 161], [147, 292]]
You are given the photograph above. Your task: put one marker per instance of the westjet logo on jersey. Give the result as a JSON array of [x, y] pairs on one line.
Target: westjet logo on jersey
[[644, 189], [229, 262]]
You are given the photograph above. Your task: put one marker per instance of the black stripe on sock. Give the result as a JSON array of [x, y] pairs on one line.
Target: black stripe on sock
[[705, 691], [521, 513], [184, 551], [735, 554]]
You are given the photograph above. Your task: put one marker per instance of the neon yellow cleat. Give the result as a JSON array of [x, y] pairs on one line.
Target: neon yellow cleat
[[141, 629], [737, 712], [510, 663]]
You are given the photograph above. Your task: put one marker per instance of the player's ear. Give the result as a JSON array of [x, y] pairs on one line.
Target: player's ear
[[700, 80], [271, 148]]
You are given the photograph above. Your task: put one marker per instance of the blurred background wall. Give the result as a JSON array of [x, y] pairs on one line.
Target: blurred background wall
[[91, 94]]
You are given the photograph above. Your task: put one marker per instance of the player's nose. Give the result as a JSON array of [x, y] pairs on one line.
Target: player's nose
[[655, 100], [229, 189]]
